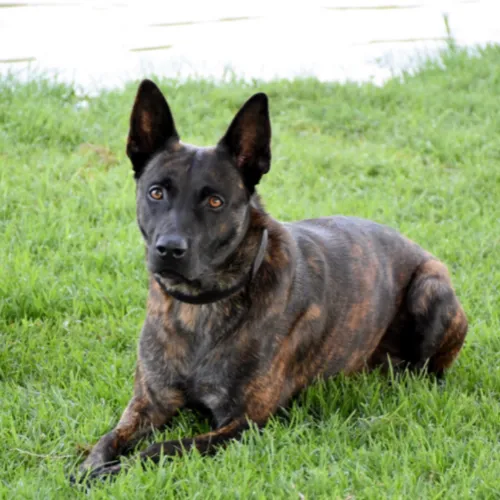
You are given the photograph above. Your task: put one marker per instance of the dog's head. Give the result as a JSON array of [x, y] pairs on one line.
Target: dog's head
[[193, 203]]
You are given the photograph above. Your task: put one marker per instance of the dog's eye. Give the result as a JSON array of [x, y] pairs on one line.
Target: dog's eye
[[215, 202], [156, 193]]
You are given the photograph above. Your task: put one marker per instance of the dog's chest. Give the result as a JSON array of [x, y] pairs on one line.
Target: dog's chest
[[206, 364], [208, 377], [207, 380]]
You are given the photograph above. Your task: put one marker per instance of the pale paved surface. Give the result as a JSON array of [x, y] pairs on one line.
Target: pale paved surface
[[104, 43]]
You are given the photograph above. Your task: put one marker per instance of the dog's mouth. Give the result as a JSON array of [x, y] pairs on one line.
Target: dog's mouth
[[175, 278]]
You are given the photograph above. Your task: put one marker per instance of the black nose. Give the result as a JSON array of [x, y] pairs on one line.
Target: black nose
[[171, 246]]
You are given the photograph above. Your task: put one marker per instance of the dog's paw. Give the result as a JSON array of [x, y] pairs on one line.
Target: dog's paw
[[86, 477]]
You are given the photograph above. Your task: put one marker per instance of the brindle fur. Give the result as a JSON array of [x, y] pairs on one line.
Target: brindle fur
[[335, 294]]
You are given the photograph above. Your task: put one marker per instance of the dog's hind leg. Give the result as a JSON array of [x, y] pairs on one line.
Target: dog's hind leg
[[437, 322]]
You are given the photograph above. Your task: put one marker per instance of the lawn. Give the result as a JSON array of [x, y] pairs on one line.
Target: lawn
[[421, 154]]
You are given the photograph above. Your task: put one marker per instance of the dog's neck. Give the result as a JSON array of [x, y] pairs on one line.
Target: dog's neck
[[212, 296]]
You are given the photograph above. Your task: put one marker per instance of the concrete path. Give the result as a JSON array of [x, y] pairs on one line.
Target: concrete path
[[104, 43]]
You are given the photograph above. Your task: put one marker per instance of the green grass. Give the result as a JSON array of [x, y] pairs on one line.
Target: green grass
[[421, 154]]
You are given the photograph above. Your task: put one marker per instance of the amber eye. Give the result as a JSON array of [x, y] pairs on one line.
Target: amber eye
[[215, 202], [156, 193]]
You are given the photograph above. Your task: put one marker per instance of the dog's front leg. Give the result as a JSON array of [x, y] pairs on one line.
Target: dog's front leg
[[139, 419], [261, 403], [206, 444]]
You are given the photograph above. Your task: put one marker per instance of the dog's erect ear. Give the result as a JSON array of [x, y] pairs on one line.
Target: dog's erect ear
[[248, 139], [152, 126]]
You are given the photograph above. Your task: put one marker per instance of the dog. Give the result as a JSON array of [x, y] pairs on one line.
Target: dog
[[244, 311]]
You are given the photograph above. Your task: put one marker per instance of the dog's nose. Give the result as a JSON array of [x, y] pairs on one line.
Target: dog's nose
[[171, 246]]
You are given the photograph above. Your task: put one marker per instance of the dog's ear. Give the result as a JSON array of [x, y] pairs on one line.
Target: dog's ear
[[248, 140], [152, 126]]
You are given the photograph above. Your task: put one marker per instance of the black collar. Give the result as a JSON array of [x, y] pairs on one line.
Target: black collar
[[216, 295]]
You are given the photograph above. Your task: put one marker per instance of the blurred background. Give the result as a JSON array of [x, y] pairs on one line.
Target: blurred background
[[103, 43]]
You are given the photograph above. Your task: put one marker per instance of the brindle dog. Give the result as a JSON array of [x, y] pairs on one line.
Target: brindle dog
[[245, 311]]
